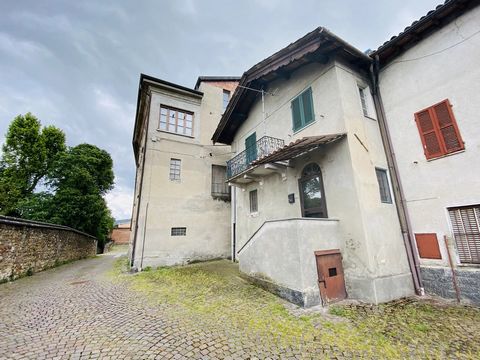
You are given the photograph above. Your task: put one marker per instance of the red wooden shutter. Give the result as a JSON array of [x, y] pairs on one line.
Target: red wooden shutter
[[428, 133], [438, 130], [450, 136]]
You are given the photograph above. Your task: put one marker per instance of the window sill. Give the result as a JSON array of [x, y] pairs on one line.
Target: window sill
[[369, 117], [473, 266], [169, 132], [253, 215], [446, 155], [304, 127]]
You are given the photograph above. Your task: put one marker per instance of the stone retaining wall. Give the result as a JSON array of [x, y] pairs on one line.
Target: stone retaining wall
[[27, 247], [438, 281]]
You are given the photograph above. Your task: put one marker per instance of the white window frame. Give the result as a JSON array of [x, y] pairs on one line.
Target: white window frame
[[175, 173]]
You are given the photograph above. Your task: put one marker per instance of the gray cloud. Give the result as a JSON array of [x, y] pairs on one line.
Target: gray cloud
[[76, 64]]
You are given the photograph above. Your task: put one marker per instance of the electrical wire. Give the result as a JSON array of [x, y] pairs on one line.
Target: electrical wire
[[434, 53]]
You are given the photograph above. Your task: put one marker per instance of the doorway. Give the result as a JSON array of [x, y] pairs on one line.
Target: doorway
[[331, 281]]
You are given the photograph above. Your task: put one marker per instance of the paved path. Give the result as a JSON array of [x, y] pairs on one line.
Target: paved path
[[77, 312]]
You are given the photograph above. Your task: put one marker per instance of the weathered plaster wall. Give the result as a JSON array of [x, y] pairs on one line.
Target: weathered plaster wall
[[375, 262], [423, 76], [283, 252], [29, 247]]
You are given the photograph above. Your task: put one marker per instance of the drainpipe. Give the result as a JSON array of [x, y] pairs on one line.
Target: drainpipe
[[147, 102], [400, 202]]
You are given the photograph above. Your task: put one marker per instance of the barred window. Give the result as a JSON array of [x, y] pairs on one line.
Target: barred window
[[175, 165], [220, 188], [178, 231], [466, 231], [176, 121]]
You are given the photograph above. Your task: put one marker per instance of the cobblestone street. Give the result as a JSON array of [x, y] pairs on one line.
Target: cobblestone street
[[85, 310]]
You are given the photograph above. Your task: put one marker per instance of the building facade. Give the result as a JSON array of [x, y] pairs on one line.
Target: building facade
[[350, 174], [429, 81], [313, 208], [181, 207]]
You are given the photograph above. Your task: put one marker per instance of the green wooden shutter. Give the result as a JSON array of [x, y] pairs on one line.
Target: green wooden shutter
[[251, 148], [296, 114], [307, 101]]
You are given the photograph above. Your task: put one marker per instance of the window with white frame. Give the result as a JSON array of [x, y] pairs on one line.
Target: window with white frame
[[226, 98], [363, 98], [176, 121], [253, 201], [382, 178], [175, 167]]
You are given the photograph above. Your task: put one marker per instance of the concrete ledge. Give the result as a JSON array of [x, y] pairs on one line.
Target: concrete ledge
[[380, 290]]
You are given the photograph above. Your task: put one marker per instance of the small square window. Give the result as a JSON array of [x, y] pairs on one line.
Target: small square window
[[253, 201], [178, 231], [175, 166], [384, 186]]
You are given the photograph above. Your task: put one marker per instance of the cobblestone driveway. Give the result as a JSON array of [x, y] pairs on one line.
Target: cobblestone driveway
[[77, 311]]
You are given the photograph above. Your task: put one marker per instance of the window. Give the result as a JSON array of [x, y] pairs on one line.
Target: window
[[251, 148], [363, 99], [226, 98], [466, 231], [438, 130], [220, 188], [382, 179], [175, 165], [253, 201], [302, 110], [178, 231], [176, 121], [312, 193]]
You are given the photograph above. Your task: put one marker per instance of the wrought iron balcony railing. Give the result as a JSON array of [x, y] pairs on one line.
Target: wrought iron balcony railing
[[263, 147]]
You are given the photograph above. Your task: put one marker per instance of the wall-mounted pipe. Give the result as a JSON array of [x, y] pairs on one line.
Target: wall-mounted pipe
[[400, 202]]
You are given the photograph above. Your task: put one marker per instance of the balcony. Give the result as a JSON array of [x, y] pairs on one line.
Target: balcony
[[242, 162]]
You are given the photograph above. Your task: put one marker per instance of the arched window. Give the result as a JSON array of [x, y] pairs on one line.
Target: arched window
[[312, 194]]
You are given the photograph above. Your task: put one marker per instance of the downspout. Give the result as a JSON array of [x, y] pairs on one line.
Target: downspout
[[141, 182], [400, 202]]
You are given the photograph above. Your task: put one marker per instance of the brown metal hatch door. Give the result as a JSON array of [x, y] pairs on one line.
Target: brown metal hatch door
[[330, 275]]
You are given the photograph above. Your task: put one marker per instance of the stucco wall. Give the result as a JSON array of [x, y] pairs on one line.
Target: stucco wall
[[371, 240], [29, 247], [187, 202], [283, 251], [422, 76]]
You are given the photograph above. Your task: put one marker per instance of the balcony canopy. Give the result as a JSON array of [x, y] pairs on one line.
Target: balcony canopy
[[269, 153], [297, 148]]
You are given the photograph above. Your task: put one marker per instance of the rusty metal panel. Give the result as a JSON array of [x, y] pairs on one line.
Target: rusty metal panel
[[331, 280], [427, 245]]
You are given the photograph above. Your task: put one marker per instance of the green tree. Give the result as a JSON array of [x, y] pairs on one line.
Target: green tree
[[79, 178], [28, 155]]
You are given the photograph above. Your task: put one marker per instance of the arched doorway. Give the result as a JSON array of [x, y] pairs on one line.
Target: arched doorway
[[312, 194]]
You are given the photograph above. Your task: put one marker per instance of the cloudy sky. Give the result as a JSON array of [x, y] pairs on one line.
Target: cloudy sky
[[76, 64]]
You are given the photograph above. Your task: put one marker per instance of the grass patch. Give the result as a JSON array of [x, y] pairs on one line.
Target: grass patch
[[212, 294]]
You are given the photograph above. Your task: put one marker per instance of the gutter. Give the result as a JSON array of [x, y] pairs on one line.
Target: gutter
[[400, 202]]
